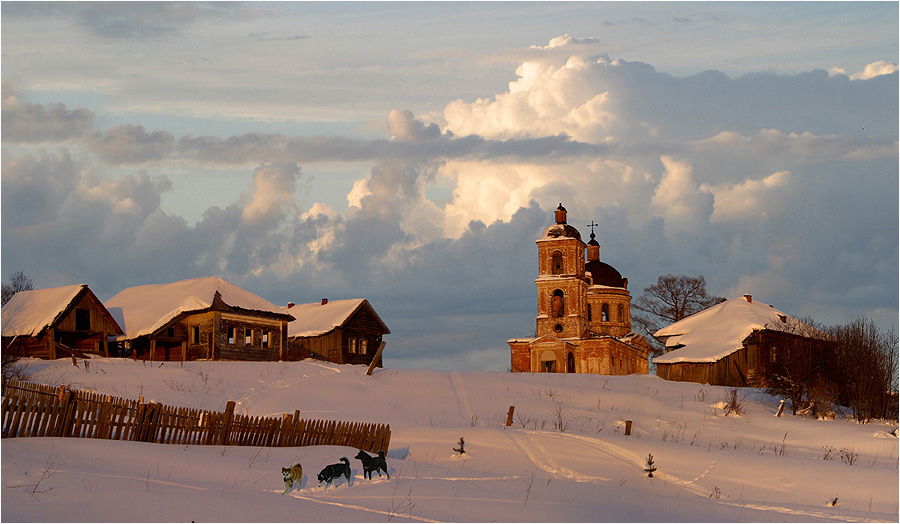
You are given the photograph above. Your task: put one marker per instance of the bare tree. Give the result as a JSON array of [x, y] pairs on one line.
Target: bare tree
[[865, 367], [18, 282], [671, 299]]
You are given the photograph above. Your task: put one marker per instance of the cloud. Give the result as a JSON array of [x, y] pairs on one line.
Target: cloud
[[875, 69], [131, 144], [684, 205], [25, 122], [131, 20], [403, 126], [748, 200]]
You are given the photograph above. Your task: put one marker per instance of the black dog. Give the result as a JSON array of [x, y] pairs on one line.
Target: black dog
[[370, 464], [334, 472]]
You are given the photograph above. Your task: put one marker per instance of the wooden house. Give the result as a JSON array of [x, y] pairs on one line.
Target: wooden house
[[199, 319], [57, 322], [732, 344], [340, 331]]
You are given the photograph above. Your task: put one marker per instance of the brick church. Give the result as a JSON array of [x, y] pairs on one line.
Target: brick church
[[584, 311]]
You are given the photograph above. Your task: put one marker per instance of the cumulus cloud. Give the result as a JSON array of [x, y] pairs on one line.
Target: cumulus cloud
[[747, 200], [403, 126], [131, 144], [678, 198], [25, 122], [875, 69]]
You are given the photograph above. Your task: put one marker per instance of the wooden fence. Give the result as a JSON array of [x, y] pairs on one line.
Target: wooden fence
[[36, 410]]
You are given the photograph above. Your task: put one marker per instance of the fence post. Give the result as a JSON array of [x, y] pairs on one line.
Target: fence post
[[226, 423], [66, 407], [509, 416]]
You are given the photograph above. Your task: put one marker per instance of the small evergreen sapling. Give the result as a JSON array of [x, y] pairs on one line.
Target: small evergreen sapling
[[462, 446], [650, 467]]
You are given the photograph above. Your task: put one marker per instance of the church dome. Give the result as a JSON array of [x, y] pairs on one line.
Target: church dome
[[560, 231], [604, 274]]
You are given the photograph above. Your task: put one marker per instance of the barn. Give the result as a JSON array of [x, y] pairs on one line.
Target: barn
[[730, 344], [341, 331], [203, 318], [57, 322]]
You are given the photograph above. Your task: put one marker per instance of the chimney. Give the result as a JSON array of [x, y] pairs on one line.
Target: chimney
[[290, 305], [324, 301], [748, 298]]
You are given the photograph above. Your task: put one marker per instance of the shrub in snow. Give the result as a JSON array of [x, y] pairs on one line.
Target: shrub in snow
[[650, 467]]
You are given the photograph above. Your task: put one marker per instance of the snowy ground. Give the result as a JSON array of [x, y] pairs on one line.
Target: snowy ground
[[712, 467]]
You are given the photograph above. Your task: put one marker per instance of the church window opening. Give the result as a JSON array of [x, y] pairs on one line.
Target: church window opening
[[558, 328], [570, 363], [557, 304], [590, 314], [621, 313], [556, 263], [604, 313]]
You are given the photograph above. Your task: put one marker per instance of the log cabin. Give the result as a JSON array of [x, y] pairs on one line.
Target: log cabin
[[340, 331], [732, 343], [57, 322], [199, 319]]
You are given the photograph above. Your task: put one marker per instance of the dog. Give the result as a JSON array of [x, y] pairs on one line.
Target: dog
[[370, 464], [291, 475], [333, 472]]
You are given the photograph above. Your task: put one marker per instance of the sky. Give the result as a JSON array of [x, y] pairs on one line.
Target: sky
[[410, 153]]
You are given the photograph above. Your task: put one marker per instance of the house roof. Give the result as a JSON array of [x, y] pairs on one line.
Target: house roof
[[720, 330], [314, 319], [28, 312], [141, 310]]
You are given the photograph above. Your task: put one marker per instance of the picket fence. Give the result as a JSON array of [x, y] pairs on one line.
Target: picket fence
[[36, 410]]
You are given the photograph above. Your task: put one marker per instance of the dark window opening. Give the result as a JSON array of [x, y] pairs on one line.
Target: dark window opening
[[195, 335], [170, 332], [556, 263], [83, 319], [557, 304], [231, 334], [248, 336], [604, 313], [265, 339]]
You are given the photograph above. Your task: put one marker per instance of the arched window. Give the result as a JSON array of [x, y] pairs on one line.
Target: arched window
[[557, 304], [604, 313], [556, 263], [621, 313]]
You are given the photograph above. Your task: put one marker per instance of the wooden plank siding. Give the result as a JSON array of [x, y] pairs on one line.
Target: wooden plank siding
[[337, 345], [84, 326], [745, 367], [205, 335]]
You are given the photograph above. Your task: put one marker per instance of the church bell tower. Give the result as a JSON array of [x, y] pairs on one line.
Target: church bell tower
[[561, 283]]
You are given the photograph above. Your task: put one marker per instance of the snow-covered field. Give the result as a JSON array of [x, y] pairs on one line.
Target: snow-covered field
[[564, 459]]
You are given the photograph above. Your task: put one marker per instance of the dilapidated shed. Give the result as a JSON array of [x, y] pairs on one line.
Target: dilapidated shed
[[729, 344], [57, 322], [340, 331], [202, 318]]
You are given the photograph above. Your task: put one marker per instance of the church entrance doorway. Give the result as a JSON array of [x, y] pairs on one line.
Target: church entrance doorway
[[570, 363]]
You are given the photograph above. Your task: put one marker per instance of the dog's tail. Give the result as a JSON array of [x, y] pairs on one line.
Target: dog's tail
[[345, 460]]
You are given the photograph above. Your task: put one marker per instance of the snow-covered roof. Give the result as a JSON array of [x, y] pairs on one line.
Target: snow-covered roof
[[29, 312], [141, 310], [720, 330], [316, 318]]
